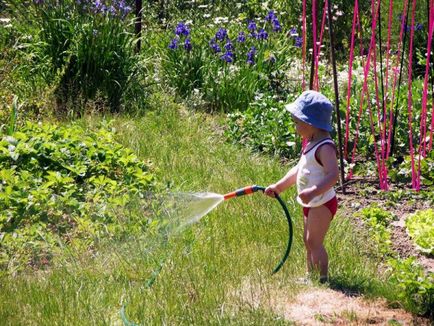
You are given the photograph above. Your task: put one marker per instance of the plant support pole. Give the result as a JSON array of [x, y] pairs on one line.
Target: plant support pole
[[138, 24], [335, 83]]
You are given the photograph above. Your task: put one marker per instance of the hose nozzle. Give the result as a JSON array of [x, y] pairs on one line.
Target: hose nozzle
[[243, 191]]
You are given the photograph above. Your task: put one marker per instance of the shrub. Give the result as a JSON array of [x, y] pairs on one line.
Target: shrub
[[265, 126], [65, 182], [79, 48]]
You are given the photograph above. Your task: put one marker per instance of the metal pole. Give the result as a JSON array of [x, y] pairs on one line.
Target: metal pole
[[383, 115], [336, 88], [138, 25], [395, 116], [312, 65]]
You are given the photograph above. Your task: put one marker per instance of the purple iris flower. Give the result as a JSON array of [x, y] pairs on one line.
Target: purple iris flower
[[270, 16], [187, 45], [111, 10], [229, 46], [228, 56], [241, 37], [174, 43], [262, 34], [251, 56], [124, 9], [251, 26], [99, 6], [182, 29], [214, 45], [418, 27], [298, 41], [221, 34], [276, 25], [293, 32]]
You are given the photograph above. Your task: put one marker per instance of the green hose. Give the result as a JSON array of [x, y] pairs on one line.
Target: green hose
[[290, 229]]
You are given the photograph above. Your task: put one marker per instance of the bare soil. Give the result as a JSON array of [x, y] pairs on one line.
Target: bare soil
[[361, 193]]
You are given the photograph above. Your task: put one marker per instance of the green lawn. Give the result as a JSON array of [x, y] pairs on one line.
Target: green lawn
[[199, 275]]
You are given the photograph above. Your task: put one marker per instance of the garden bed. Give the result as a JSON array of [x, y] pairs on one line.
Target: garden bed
[[364, 192]]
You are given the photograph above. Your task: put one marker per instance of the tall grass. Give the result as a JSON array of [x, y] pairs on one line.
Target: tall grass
[[204, 275]]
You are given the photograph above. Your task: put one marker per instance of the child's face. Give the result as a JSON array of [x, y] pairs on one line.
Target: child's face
[[303, 129]]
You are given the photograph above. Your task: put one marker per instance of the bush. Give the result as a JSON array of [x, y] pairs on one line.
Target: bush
[[80, 49], [265, 126], [65, 182]]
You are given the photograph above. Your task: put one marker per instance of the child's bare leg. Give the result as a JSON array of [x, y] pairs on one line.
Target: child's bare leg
[[317, 225], [309, 262]]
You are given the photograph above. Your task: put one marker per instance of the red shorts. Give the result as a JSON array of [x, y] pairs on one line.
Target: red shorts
[[332, 205]]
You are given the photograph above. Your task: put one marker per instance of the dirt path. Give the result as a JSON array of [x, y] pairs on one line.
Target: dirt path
[[324, 306]]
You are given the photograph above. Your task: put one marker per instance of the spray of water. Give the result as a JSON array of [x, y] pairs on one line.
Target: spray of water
[[190, 208]]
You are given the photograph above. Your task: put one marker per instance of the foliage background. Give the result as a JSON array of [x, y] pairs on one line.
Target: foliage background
[[63, 201]]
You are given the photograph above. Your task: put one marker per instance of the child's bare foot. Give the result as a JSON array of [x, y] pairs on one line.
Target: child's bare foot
[[323, 279]]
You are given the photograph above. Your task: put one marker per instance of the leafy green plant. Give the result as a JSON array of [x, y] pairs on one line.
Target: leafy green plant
[[420, 227], [400, 170], [416, 287], [13, 116], [266, 127], [64, 182], [377, 221]]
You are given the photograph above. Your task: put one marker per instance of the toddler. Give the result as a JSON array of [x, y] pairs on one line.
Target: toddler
[[315, 175]]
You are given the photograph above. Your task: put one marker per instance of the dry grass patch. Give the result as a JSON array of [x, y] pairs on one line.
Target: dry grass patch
[[323, 306]]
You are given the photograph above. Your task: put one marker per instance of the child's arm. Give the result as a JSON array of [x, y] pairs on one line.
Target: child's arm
[[327, 156], [287, 181]]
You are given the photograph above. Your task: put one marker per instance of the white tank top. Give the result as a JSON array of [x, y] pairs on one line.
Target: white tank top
[[310, 173]]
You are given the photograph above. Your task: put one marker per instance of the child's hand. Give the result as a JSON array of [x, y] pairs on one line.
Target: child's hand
[[307, 194], [271, 190]]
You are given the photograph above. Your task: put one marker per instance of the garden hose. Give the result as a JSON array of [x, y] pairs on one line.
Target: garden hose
[[240, 192], [250, 190]]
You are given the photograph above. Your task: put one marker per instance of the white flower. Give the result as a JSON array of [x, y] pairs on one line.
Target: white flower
[[219, 20], [258, 96], [265, 5]]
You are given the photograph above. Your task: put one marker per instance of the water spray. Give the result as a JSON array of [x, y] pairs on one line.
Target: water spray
[[200, 204]]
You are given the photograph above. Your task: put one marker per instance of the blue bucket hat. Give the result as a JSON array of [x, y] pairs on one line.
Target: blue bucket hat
[[314, 109]]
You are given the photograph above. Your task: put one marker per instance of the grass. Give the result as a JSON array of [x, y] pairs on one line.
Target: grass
[[204, 270]]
